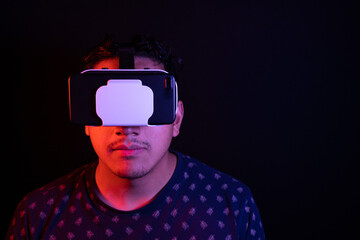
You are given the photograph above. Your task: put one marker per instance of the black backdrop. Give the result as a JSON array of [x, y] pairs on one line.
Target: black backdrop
[[269, 91]]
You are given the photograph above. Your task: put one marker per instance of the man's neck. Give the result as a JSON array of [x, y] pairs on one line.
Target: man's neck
[[129, 194]]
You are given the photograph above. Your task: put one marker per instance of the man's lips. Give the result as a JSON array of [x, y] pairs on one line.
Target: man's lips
[[123, 147], [127, 150], [128, 147]]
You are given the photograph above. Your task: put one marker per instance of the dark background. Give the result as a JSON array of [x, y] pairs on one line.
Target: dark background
[[269, 87]]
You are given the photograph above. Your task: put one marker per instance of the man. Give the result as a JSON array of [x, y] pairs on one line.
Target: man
[[138, 188]]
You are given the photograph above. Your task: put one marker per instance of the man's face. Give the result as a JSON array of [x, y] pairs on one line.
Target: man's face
[[132, 152]]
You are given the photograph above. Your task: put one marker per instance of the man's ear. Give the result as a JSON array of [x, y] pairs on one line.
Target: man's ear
[[87, 130], [178, 118]]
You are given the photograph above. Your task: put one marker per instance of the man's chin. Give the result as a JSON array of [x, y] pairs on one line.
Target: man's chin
[[131, 173]]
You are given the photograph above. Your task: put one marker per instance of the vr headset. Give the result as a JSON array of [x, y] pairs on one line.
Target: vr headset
[[122, 97]]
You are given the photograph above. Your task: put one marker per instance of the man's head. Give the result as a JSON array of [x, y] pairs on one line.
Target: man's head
[[131, 152]]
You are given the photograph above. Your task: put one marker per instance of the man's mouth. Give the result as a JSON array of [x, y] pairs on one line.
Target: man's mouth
[[126, 147], [131, 149]]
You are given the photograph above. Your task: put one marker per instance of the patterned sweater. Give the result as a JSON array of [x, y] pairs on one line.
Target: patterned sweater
[[198, 202]]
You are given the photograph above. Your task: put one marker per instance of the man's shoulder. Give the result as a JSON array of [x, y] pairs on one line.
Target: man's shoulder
[[58, 189], [227, 199], [212, 179]]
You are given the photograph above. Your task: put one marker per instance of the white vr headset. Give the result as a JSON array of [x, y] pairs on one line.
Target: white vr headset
[[122, 97]]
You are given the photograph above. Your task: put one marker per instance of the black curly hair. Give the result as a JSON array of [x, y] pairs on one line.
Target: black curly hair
[[141, 45]]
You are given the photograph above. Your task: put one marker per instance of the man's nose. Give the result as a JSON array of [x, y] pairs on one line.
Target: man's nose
[[127, 131]]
